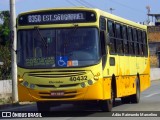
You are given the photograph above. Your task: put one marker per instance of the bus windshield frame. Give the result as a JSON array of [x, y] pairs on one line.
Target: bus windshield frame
[[58, 47]]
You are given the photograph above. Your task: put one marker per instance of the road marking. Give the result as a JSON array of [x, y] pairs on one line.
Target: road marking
[[150, 95]]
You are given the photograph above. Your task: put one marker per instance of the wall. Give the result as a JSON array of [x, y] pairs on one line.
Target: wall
[[154, 44], [5, 88]]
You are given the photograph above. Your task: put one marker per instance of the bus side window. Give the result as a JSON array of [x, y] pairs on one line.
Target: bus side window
[[135, 41], [111, 34], [144, 38], [131, 43], [140, 41], [141, 45], [102, 24], [119, 40], [125, 39]]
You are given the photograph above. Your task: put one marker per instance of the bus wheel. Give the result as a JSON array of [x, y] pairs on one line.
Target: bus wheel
[[126, 100], [106, 105], [42, 106], [136, 97]]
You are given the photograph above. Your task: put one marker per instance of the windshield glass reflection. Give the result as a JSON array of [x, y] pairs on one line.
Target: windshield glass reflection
[[48, 48]]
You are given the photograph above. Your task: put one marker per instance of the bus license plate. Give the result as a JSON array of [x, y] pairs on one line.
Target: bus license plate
[[57, 93]]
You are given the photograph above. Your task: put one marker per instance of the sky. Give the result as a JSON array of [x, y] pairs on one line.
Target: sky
[[134, 10]]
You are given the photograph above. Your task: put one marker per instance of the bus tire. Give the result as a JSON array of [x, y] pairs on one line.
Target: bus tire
[[106, 105], [136, 97], [42, 106], [126, 100]]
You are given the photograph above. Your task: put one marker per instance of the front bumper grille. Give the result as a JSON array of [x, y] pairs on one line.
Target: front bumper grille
[[47, 95], [61, 86]]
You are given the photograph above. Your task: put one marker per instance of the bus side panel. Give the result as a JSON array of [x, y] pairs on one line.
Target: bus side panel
[[133, 65], [96, 91], [107, 88], [125, 85], [126, 75], [144, 82], [145, 78]]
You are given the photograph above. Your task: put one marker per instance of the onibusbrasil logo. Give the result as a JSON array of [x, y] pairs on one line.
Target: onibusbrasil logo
[[21, 115]]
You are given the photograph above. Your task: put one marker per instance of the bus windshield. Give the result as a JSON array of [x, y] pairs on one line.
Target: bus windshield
[[52, 48]]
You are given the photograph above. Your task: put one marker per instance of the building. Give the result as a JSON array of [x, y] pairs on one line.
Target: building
[[154, 40]]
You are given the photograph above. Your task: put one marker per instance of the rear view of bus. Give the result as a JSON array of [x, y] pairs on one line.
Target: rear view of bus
[[63, 57]]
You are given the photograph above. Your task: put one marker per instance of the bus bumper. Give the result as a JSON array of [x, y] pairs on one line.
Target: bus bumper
[[100, 90]]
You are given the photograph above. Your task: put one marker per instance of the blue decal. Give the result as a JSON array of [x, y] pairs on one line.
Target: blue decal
[[62, 61]]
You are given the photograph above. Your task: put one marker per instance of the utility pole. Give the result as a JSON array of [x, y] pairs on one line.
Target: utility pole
[[13, 53], [148, 12], [111, 9]]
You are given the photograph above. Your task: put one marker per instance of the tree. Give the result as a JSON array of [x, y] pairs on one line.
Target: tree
[[5, 52], [4, 27]]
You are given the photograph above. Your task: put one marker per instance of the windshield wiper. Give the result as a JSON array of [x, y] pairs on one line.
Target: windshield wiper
[[43, 40], [75, 28]]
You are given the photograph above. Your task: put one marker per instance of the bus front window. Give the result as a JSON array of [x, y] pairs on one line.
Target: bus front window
[[80, 46], [48, 48]]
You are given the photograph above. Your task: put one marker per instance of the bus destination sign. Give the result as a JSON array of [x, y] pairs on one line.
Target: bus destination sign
[[56, 17]]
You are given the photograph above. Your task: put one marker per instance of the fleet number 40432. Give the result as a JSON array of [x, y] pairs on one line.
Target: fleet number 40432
[[78, 78]]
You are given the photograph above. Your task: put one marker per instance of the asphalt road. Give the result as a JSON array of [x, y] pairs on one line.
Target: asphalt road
[[150, 102]]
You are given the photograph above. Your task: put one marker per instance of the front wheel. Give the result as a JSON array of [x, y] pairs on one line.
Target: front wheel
[[106, 105], [126, 99]]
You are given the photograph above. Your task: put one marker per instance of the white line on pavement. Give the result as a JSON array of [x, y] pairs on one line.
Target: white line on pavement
[[150, 95]]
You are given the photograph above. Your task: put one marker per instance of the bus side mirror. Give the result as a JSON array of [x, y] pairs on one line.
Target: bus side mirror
[[103, 39], [107, 39]]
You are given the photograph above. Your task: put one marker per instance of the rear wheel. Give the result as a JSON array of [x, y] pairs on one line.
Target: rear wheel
[[136, 97], [125, 100]]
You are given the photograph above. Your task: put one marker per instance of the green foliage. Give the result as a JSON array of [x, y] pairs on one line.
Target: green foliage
[[4, 27], [5, 52]]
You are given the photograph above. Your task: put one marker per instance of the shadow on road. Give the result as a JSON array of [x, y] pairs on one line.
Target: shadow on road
[[91, 109], [82, 110]]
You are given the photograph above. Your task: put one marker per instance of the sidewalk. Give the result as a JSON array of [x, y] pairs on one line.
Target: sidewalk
[[155, 73]]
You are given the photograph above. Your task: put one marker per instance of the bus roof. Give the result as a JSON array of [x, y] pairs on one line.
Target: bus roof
[[120, 19], [99, 13]]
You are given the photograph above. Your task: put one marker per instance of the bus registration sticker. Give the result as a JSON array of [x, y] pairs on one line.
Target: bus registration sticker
[[72, 63], [57, 93]]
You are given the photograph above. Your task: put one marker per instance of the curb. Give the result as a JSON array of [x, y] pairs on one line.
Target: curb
[[4, 106], [8, 105]]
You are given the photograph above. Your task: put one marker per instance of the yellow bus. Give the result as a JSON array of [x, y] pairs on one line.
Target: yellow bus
[[74, 55]]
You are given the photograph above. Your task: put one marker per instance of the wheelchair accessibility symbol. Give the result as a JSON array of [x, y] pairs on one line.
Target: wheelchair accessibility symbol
[[62, 61]]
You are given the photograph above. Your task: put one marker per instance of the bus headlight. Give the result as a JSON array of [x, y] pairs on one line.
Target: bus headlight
[[90, 82], [32, 86], [25, 83], [83, 85]]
